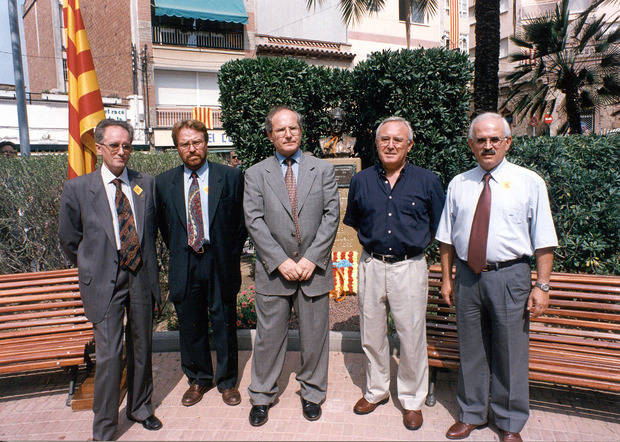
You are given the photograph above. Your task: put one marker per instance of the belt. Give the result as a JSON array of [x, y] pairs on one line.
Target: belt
[[388, 258], [500, 265]]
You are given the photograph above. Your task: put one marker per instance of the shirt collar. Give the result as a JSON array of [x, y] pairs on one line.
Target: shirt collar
[[296, 156], [381, 170], [200, 172], [496, 172], [108, 176]]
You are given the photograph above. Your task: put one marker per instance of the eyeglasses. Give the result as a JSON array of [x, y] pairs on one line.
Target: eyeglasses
[[384, 141], [494, 141], [114, 148], [192, 143], [281, 132]]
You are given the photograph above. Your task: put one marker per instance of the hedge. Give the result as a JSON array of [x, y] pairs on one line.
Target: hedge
[[582, 174]]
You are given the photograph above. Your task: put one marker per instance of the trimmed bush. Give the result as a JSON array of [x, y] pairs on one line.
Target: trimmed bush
[[250, 87]]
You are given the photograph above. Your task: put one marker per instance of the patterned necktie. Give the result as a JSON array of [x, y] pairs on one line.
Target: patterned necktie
[[130, 255], [195, 227], [291, 188], [477, 253]]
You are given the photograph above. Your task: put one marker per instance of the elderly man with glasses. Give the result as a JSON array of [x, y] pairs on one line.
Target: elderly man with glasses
[[496, 217], [199, 214], [107, 228]]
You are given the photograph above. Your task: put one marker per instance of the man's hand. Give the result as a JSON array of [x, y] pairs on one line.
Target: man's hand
[[538, 302], [305, 268], [289, 270], [447, 291]]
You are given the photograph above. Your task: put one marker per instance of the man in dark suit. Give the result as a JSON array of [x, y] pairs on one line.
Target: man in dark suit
[[291, 210], [201, 220], [107, 228]]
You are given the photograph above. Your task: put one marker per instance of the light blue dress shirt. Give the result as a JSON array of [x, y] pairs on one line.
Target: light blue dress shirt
[[520, 220], [203, 183], [282, 160]]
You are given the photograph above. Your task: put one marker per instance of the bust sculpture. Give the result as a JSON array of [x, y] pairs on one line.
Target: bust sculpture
[[337, 144]]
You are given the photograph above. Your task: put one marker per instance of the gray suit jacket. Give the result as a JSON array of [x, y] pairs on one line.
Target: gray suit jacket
[[86, 234], [269, 221]]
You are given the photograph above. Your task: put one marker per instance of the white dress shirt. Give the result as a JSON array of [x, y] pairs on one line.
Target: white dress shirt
[[110, 189], [203, 184], [520, 220]]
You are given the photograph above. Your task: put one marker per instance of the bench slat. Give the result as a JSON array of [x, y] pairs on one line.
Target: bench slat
[[40, 365], [43, 323], [49, 292], [43, 314], [40, 306]]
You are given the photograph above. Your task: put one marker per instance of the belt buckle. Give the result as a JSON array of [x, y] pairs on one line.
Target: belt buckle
[[201, 250]]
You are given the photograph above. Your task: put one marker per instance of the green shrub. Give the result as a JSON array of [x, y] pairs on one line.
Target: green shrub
[[583, 179], [250, 87]]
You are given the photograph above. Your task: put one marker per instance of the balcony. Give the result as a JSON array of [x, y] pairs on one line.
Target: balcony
[[164, 35], [167, 116]]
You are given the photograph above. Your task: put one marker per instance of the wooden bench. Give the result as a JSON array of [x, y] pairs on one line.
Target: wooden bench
[[42, 324], [575, 342]]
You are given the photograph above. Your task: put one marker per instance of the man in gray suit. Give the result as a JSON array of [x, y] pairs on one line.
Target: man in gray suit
[[291, 211], [107, 228]]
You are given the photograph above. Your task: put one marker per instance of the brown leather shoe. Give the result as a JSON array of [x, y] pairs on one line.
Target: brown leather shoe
[[460, 430], [508, 436], [412, 419], [231, 396], [364, 407], [194, 394]]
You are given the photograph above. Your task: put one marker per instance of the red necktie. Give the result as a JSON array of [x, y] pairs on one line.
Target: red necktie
[[291, 187], [130, 255], [195, 227], [477, 253]]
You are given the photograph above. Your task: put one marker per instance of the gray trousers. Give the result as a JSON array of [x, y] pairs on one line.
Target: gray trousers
[[493, 329], [109, 351], [273, 315]]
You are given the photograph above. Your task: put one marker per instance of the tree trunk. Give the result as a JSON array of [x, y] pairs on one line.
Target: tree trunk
[[486, 65], [572, 112]]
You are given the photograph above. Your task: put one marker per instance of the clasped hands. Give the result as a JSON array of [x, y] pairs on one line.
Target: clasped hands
[[297, 271]]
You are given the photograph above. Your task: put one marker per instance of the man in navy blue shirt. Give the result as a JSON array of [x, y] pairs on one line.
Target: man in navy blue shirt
[[395, 208]]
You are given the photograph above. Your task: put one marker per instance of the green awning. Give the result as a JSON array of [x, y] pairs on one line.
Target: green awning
[[231, 11]]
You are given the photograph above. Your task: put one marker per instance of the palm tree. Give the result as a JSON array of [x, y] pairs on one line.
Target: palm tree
[[486, 63], [579, 58], [353, 10]]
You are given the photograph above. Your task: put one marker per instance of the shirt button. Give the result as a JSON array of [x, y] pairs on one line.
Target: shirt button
[[390, 214], [292, 233], [390, 249], [389, 232], [390, 197], [386, 181], [295, 253], [413, 204]]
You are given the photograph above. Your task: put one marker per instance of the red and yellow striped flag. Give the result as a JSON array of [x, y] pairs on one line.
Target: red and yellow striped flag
[[85, 104], [204, 114], [454, 24]]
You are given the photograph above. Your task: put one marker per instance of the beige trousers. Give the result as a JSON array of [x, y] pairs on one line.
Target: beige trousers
[[403, 287]]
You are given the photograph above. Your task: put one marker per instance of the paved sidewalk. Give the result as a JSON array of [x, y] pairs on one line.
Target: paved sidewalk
[[33, 408]]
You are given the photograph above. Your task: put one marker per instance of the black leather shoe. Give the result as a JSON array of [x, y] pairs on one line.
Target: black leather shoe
[[259, 414], [310, 410], [150, 423]]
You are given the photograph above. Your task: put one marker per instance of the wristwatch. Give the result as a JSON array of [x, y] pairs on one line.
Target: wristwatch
[[543, 286]]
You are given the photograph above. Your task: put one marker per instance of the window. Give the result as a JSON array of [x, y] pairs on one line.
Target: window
[[463, 8], [417, 16], [587, 123], [503, 48], [503, 6]]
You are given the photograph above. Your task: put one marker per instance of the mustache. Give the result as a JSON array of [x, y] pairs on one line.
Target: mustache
[[490, 151]]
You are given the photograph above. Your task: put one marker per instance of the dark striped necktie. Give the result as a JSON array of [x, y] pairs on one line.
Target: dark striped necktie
[[195, 225], [130, 255]]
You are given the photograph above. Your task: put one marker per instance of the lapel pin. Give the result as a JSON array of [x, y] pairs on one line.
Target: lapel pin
[[137, 189], [206, 189]]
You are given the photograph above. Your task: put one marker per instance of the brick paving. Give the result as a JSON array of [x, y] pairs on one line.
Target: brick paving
[[32, 407]]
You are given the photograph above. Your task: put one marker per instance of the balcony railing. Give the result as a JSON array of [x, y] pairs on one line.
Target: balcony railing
[[197, 39], [167, 116]]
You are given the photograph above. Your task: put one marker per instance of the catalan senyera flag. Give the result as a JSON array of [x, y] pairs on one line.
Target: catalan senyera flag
[[85, 104], [454, 24], [204, 114]]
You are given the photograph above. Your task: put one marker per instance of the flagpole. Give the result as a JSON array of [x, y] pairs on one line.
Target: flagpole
[[18, 72]]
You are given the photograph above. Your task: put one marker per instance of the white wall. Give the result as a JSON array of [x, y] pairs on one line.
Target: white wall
[[291, 18]]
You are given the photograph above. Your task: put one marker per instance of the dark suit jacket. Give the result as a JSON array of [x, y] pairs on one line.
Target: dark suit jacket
[[86, 235], [226, 228]]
